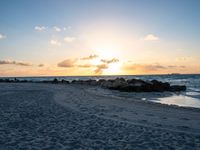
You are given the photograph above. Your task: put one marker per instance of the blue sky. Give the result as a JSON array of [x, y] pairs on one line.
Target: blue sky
[[175, 23]]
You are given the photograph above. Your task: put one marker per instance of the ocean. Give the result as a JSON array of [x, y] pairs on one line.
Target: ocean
[[189, 98]]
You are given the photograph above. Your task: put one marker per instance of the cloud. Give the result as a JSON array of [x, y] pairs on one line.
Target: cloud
[[2, 36], [68, 27], [85, 66], [109, 61], [40, 28], [90, 57], [151, 68], [69, 39], [100, 68], [11, 62], [144, 67], [151, 37], [67, 63], [41, 65], [174, 66], [55, 42], [57, 29], [185, 58]]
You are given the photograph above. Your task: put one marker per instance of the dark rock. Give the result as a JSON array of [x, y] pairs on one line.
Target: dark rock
[[100, 81], [106, 84], [92, 82], [135, 85], [160, 86], [65, 81], [55, 81], [77, 82], [118, 83], [136, 82]]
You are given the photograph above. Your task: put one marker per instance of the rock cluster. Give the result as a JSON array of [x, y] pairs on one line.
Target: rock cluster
[[133, 85]]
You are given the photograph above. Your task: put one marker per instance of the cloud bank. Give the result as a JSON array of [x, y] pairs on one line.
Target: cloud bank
[[98, 69]]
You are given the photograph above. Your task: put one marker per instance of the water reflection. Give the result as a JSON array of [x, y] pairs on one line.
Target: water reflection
[[180, 100]]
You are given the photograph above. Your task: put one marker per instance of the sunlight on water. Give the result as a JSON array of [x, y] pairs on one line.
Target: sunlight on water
[[180, 100]]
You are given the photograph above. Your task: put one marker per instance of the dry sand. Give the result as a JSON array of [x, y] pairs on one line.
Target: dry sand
[[50, 116]]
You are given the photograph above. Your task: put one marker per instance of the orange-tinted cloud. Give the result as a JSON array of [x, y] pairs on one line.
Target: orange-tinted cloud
[[41, 65], [152, 68], [11, 62], [109, 61], [67, 63], [89, 57], [100, 68]]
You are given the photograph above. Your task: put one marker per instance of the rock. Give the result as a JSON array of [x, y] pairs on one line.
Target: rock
[[106, 84], [93, 82], [160, 86], [118, 83], [55, 81], [100, 81], [136, 82], [64, 81], [77, 81], [133, 85]]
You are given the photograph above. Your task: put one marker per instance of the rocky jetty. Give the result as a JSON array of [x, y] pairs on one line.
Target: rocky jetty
[[120, 84], [133, 85]]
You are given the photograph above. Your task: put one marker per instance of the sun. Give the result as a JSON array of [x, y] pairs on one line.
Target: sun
[[113, 69]]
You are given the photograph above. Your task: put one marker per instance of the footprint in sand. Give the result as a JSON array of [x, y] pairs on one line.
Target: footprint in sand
[[186, 119], [164, 118], [149, 114], [183, 127], [158, 125], [142, 121]]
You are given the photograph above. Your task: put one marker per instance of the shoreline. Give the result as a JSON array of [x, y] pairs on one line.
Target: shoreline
[[138, 99]]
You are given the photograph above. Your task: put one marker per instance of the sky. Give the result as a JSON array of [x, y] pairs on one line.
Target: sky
[[99, 37]]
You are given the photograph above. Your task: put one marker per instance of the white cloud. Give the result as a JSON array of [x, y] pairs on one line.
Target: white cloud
[[69, 39], [2, 36], [55, 42], [40, 28], [57, 29], [184, 58], [68, 27], [151, 37]]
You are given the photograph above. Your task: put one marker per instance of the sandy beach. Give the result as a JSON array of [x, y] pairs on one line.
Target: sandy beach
[[66, 116]]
